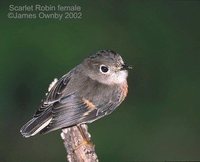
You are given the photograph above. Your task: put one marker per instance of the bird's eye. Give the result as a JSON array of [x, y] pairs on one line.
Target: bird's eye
[[104, 69]]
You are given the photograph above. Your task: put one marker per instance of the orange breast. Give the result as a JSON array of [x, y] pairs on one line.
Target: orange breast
[[124, 89]]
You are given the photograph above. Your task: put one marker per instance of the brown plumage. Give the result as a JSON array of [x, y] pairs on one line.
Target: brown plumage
[[88, 92]]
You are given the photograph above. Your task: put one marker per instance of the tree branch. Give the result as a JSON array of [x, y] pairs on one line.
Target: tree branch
[[78, 145]]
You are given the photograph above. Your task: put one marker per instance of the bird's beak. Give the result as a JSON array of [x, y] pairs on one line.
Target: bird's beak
[[126, 67]]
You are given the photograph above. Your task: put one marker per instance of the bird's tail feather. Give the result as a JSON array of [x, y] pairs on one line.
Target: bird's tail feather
[[35, 125]]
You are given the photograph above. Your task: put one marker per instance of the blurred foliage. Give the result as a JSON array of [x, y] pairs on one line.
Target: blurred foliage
[[161, 116]]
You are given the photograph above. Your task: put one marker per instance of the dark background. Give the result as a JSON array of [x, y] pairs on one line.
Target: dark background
[[160, 118]]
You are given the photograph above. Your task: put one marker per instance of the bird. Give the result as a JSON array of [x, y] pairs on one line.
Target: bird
[[90, 91]]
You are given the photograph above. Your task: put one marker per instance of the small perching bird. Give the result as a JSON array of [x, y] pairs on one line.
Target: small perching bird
[[88, 92]]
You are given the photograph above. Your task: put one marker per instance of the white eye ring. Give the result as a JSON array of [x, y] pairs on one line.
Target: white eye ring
[[104, 69]]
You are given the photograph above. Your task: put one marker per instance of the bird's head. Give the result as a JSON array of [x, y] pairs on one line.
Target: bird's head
[[106, 67]]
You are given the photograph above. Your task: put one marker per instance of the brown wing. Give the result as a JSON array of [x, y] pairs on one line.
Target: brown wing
[[74, 109], [54, 94]]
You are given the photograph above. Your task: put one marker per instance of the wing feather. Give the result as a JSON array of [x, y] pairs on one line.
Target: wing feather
[[72, 110], [53, 95]]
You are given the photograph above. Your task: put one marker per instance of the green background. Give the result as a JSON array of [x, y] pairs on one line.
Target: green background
[[160, 118]]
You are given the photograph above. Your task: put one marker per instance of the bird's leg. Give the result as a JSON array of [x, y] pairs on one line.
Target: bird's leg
[[85, 135]]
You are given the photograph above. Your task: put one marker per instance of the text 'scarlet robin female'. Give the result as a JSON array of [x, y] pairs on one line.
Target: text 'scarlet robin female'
[[90, 91]]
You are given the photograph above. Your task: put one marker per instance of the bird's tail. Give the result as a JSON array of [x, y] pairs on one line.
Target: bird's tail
[[35, 125]]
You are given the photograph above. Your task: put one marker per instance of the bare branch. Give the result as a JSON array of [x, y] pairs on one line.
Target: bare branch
[[78, 145]]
